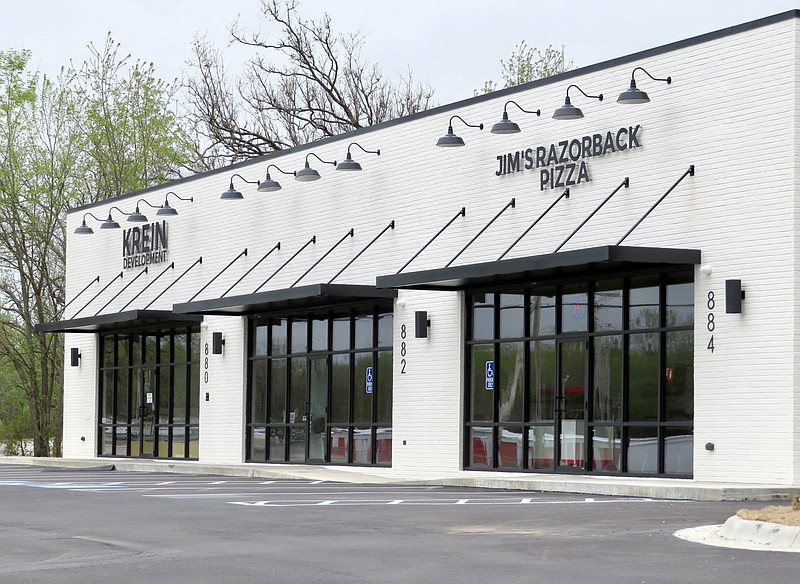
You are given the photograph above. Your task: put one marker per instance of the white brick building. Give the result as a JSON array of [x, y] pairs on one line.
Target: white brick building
[[592, 353]]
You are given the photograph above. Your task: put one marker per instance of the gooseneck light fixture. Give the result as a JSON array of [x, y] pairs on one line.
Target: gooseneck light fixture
[[268, 185], [84, 229], [635, 95], [569, 111], [232, 193], [139, 217], [308, 174], [506, 126], [450, 140], [109, 223], [165, 209], [348, 163]]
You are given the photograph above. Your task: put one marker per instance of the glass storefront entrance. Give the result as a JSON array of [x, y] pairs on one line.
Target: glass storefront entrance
[[320, 387], [584, 376], [150, 393]]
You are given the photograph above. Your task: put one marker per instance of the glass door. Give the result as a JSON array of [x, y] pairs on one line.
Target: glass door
[[143, 430], [570, 407], [316, 408]]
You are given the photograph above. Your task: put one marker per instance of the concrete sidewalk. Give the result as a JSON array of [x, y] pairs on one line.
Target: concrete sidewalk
[[656, 488]]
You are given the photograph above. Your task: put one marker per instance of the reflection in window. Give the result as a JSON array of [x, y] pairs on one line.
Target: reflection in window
[[483, 317], [608, 306], [679, 382], [149, 398], [482, 399], [543, 380], [543, 311], [511, 380], [608, 379], [356, 425], [642, 450], [680, 301], [574, 308], [643, 359], [644, 306], [512, 316]]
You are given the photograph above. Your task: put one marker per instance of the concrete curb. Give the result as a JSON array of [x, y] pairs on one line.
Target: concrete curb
[[743, 534], [620, 486], [761, 533]]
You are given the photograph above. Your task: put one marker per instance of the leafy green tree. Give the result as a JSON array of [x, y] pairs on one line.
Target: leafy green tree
[[105, 129], [40, 146], [134, 136], [528, 64]]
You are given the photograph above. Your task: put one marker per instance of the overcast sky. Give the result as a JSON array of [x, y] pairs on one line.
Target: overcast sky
[[453, 46]]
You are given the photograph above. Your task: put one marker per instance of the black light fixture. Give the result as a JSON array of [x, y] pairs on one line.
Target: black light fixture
[[165, 209], [109, 223], [217, 342], [74, 357], [232, 193], [506, 126], [268, 185], [421, 324], [308, 174], [139, 217], [348, 163], [450, 140], [569, 111], [84, 229], [634, 95]]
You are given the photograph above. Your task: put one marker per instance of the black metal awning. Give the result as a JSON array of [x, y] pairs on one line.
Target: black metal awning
[[302, 297], [118, 321], [593, 260]]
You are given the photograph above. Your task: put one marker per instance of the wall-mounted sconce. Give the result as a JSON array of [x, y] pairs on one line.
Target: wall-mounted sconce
[[74, 357], [84, 229], [348, 163], [450, 140], [270, 186], [232, 193], [506, 126], [421, 324], [634, 95], [217, 342], [165, 209], [733, 296], [107, 223], [308, 174], [569, 111], [139, 217]]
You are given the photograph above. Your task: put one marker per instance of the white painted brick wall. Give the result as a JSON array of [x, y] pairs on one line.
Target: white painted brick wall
[[727, 112]]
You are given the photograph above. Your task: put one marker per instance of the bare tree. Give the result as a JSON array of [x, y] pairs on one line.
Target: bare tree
[[309, 83]]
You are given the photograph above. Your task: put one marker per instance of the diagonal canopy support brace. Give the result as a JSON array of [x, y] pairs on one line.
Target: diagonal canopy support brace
[[625, 183], [564, 195], [689, 172], [74, 298], [461, 213], [175, 281], [277, 247], [222, 271], [153, 281], [511, 204], [114, 279], [125, 287], [326, 254], [284, 264], [347, 265]]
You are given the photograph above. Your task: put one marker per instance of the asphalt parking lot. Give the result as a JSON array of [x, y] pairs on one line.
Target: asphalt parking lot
[[84, 526]]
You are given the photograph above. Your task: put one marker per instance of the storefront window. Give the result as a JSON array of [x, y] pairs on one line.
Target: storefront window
[[150, 393], [588, 390], [339, 388]]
